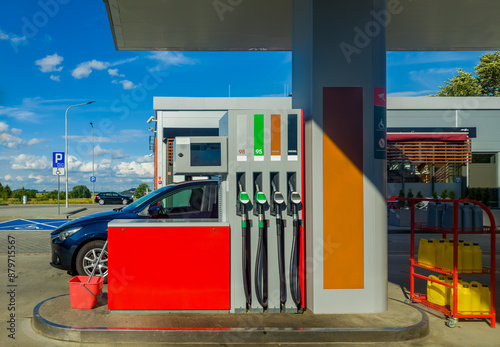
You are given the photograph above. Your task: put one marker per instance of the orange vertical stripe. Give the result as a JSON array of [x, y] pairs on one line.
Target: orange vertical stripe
[[343, 240], [275, 134]]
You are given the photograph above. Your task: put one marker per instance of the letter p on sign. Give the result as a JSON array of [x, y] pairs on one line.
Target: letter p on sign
[[58, 159]]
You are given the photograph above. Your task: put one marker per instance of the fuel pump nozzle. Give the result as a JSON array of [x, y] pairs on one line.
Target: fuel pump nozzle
[[243, 201], [261, 285], [279, 200], [296, 201]]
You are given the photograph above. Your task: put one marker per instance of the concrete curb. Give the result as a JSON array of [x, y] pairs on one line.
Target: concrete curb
[[226, 334]]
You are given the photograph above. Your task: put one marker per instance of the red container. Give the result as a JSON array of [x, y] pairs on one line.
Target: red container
[[84, 295]]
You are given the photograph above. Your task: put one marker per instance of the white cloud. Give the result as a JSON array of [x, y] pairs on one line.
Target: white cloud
[[50, 63], [19, 178], [431, 78], [85, 69], [30, 162], [11, 37], [75, 164], [134, 169], [417, 93], [145, 159], [35, 141], [17, 113], [10, 141], [37, 178], [114, 153], [166, 59], [55, 78], [127, 84], [9, 137], [114, 72], [7, 177]]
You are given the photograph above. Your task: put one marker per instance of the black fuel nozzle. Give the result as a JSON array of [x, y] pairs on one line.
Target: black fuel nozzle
[[278, 200], [296, 202], [295, 289]]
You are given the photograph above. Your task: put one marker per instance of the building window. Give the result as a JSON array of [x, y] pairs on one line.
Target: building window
[[483, 158]]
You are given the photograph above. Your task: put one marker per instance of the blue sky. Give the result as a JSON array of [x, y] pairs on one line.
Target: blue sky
[[55, 57]]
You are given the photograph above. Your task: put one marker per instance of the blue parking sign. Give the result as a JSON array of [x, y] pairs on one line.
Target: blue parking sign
[[92, 178], [58, 159]]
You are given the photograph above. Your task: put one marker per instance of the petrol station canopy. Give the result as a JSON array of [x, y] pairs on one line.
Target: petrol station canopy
[[245, 25]]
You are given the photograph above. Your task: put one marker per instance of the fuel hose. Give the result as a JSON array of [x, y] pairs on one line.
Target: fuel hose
[[246, 262], [245, 245], [281, 257], [294, 260], [261, 277]]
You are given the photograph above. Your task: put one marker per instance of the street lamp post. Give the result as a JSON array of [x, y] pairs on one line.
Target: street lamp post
[[66, 151], [92, 125]]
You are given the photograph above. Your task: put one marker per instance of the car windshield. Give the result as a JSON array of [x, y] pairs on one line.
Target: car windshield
[[149, 196]]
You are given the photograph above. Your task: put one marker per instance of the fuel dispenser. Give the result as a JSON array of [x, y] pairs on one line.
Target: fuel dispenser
[[258, 157]]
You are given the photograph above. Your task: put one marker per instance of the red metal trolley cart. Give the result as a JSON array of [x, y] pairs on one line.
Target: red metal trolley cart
[[452, 311]]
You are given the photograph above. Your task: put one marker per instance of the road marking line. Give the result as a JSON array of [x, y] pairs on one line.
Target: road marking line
[[33, 221]]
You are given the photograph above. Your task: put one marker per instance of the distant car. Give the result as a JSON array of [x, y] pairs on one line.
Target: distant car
[[113, 198]]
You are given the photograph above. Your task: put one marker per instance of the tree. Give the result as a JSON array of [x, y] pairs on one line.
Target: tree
[[462, 85], [19, 193], [79, 192], [485, 82], [7, 193], [141, 190]]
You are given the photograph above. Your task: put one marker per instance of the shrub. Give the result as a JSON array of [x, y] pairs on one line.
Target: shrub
[[444, 194], [401, 204]]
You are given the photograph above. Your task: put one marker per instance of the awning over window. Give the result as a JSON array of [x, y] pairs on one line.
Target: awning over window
[[417, 148], [427, 136]]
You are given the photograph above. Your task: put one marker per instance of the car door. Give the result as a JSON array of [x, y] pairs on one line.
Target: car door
[[115, 198], [190, 202]]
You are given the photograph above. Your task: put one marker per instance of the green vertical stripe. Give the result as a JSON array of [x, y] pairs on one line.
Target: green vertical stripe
[[258, 134]]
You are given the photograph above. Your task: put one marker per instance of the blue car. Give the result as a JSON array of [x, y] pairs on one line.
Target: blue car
[[77, 244]]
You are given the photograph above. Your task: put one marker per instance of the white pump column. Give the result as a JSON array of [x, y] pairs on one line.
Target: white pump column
[[339, 72]]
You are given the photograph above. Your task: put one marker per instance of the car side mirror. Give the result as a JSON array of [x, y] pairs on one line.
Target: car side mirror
[[154, 211]]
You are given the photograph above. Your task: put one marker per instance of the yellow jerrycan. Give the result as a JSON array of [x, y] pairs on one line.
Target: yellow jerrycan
[[427, 252], [436, 293], [475, 290], [464, 298], [477, 258], [485, 299], [467, 258]]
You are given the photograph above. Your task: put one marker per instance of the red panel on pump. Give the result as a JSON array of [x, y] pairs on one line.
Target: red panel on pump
[[169, 268]]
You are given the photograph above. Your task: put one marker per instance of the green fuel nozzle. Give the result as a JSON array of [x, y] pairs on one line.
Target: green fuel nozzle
[[260, 198], [243, 198]]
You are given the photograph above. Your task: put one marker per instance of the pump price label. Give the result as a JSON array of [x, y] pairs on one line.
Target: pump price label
[[241, 139], [258, 137]]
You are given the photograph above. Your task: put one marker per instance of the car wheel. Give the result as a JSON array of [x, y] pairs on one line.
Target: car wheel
[[87, 258], [124, 201], [101, 202]]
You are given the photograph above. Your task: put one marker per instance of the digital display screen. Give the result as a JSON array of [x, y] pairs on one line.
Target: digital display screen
[[206, 154]]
